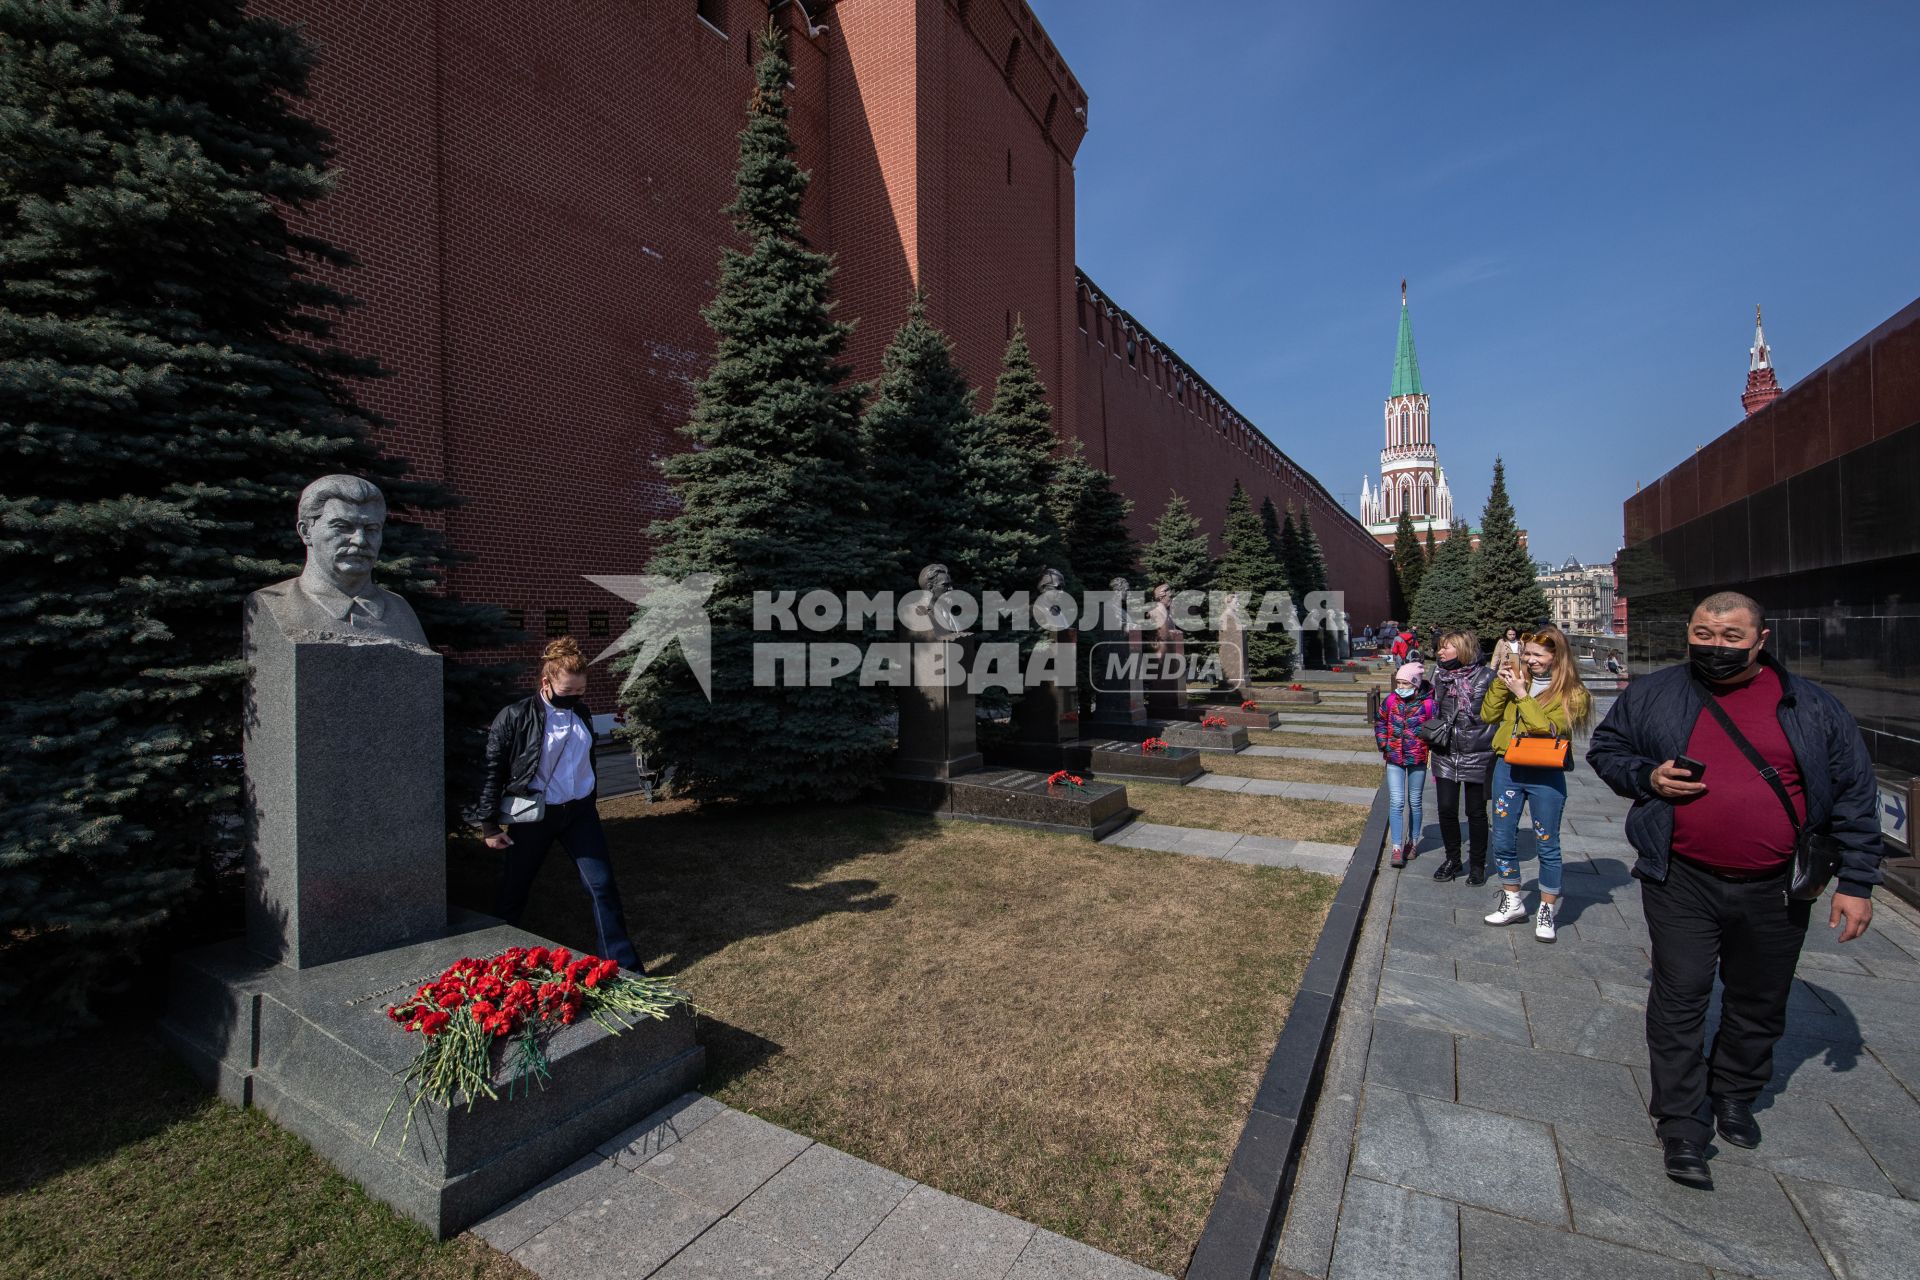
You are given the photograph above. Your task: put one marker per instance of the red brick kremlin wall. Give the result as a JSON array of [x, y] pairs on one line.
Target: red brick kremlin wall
[[533, 189]]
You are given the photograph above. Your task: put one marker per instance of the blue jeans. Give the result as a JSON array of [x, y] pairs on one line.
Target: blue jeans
[[1545, 791], [576, 826], [1405, 783]]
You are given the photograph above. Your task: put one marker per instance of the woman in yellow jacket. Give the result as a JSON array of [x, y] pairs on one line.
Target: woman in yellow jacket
[[1537, 694]]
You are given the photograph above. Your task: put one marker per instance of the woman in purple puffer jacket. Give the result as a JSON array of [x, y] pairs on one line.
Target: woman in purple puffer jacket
[[1409, 706]]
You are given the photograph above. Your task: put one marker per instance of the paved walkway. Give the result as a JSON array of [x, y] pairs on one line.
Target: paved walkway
[[1484, 1108], [1289, 790], [1323, 755], [1231, 846], [701, 1190]]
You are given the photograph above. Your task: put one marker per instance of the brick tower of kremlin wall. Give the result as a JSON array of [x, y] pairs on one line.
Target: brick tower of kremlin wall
[[533, 191]]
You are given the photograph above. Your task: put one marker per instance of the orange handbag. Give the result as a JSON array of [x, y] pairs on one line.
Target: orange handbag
[[1541, 753]]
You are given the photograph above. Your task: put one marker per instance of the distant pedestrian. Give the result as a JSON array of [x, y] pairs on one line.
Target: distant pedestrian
[[1616, 667], [1536, 696], [1462, 745], [1401, 714], [1398, 650], [1731, 762], [1505, 649], [541, 784]]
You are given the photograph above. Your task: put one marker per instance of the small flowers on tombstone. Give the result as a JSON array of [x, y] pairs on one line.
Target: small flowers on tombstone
[[1298, 688], [1249, 705], [1061, 778], [514, 1001], [1152, 745], [1213, 722]]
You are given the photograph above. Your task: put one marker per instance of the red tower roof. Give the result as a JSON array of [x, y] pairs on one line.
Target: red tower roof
[[1762, 387]]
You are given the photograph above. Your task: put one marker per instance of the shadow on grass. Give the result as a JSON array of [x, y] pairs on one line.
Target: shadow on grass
[[91, 1095], [695, 879]]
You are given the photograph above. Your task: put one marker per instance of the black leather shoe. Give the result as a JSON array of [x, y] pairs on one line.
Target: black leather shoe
[[1687, 1163], [1477, 874], [1734, 1119], [1447, 870]]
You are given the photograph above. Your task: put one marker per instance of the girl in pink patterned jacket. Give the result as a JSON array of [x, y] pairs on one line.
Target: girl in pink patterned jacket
[[1409, 706]]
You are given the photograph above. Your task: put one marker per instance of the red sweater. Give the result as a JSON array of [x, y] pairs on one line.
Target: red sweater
[[1737, 824]]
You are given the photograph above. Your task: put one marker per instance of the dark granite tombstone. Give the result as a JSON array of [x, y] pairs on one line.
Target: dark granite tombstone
[[938, 733]]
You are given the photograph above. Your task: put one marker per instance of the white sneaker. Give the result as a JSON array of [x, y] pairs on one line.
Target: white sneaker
[[1543, 922], [1512, 907]]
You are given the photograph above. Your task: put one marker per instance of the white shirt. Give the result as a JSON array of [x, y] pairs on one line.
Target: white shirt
[[566, 756]]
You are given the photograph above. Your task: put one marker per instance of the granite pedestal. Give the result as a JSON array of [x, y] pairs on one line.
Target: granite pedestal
[[937, 723], [1113, 759], [1232, 715], [347, 847], [1015, 797], [314, 1050]]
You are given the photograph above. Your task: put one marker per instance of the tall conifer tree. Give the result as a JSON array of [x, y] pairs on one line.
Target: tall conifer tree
[[776, 497], [1008, 464], [1505, 591], [1270, 521], [1408, 564], [1092, 517], [1321, 648], [1179, 553], [1249, 567], [1446, 591], [917, 430], [167, 388]]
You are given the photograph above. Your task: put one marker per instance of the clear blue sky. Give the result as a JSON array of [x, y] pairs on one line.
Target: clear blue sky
[[1586, 200]]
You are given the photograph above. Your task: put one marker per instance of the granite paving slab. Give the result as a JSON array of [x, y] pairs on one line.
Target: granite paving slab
[[630, 1231], [1390, 1233], [935, 1234], [1862, 1237], [729, 1251], [1462, 1153], [1463, 1008], [1892, 1137], [1620, 1192], [1554, 1088], [1412, 1059], [824, 1203], [662, 1129], [1600, 1029], [1495, 1247], [1054, 1257], [527, 1215], [1807, 1138], [725, 1160]]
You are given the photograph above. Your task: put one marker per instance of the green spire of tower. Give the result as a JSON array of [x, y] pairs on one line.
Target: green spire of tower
[[1406, 365]]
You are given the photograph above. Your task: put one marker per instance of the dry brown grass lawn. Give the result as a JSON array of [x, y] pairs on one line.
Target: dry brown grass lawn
[[1281, 769], [1067, 1032], [1275, 816]]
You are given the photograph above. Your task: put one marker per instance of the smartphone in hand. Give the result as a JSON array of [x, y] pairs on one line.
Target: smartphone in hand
[[1693, 769]]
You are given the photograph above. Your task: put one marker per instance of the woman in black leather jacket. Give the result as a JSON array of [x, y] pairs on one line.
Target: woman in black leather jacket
[[1460, 685], [540, 761]]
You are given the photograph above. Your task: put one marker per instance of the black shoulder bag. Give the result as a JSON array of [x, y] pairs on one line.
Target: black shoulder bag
[[1814, 857]]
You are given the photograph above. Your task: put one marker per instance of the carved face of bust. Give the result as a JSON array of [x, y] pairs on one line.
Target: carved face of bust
[[1118, 586], [936, 581], [1163, 592], [1052, 579], [343, 540]]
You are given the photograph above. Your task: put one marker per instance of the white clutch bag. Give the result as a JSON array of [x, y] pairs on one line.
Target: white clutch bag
[[521, 809]]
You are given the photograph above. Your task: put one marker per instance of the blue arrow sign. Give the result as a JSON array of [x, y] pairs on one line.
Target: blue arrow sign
[[1896, 811]]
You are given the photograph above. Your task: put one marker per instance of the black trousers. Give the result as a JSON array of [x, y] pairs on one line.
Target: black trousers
[[576, 825], [1447, 792], [1750, 934]]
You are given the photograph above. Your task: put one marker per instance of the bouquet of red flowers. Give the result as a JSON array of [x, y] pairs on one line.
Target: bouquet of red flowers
[[1061, 778], [1297, 688], [1249, 705], [1213, 722], [519, 998], [1152, 745]]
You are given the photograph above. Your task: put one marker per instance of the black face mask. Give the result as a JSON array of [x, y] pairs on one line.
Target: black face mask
[[569, 703], [1719, 662], [1451, 664]]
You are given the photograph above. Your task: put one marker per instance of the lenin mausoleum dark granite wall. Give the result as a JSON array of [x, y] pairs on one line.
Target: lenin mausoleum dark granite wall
[[1809, 506], [534, 194]]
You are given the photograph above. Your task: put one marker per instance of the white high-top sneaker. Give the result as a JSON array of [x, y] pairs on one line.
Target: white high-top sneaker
[[1543, 922], [1512, 906]]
